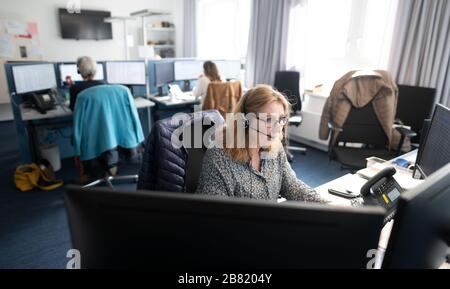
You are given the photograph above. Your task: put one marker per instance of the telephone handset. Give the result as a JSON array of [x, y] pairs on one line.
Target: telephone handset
[[44, 101], [382, 189]]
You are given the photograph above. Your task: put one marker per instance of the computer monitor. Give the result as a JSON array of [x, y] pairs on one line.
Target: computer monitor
[[118, 229], [415, 104], [71, 70], [423, 136], [435, 151], [164, 73], [34, 77], [188, 69], [229, 69], [421, 231], [125, 72]]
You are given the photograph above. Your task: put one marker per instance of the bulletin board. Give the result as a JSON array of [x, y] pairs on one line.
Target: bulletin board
[[19, 41]]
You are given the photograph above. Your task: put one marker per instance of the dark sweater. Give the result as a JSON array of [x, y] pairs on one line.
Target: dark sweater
[[79, 87]]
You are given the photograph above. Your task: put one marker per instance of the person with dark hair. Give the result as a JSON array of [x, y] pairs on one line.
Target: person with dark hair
[[210, 73]]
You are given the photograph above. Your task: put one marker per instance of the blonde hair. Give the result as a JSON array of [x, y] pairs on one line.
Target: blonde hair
[[252, 102]]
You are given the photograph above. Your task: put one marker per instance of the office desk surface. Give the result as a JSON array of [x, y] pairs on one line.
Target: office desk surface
[[347, 180], [60, 111], [340, 201], [188, 98]]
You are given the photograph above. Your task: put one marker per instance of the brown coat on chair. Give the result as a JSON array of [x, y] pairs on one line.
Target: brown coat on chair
[[351, 91], [222, 96]]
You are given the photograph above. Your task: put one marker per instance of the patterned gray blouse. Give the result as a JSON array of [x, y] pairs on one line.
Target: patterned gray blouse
[[221, 175]]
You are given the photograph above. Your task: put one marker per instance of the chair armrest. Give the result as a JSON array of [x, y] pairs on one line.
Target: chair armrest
[[398, 121], [406, 132], [334, 128], [295, 120]]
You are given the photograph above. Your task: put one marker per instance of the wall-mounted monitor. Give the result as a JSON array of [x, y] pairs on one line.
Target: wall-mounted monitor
[[88, 24]]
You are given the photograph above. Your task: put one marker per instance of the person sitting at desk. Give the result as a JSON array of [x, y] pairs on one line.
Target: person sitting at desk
[[210, 73], [255, 164], [87, 68]]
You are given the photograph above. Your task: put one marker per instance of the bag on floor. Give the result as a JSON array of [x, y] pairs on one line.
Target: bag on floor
[[29, 176]]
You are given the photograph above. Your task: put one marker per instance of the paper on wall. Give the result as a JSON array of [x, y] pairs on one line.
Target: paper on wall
[[6, 46], [16, 27], [32, 29], [35, 49]]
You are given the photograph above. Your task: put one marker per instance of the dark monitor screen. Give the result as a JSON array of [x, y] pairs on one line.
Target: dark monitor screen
[[164, 73], [415, 104], [421, 231], [179, 230], [435, 152], [88, 24]]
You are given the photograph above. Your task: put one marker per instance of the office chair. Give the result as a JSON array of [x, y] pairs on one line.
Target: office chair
[[362, 126], [415, 104], [287, 82], [170, 168], [222, 96], [194, 159], [107, 165], [106, 122]]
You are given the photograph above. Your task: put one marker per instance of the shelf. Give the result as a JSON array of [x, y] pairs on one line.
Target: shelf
[[160, 29], [164, 46], [149, 12]]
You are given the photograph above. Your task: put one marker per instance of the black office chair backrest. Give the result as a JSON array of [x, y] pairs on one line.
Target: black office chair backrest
[[196, 147], [288, 83], [363, 126], [415, 104], [194, 164]]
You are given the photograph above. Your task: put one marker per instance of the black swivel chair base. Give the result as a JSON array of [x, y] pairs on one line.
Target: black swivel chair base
[[295, 121], [109, 179], [289, 155]]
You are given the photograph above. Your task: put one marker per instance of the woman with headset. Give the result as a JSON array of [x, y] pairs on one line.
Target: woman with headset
[[248, 159]]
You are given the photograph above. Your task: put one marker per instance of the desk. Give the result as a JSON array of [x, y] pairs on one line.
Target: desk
[[30, 114], [322, 190], [60, 116], [166, 106], [339, 201], [168, 101]]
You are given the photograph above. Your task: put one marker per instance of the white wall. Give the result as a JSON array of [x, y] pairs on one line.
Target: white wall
[[54, 48]]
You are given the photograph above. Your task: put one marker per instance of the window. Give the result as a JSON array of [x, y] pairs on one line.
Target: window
[[223, 28], [328, 38]]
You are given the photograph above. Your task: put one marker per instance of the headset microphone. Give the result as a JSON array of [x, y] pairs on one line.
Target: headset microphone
[[269, 137]]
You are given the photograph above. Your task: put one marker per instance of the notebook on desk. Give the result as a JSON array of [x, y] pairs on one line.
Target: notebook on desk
[[349, 183]]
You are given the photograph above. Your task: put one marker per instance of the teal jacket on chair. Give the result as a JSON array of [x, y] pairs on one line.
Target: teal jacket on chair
[[105, 117]]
